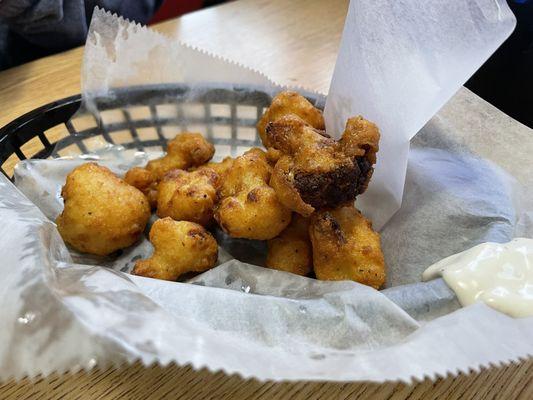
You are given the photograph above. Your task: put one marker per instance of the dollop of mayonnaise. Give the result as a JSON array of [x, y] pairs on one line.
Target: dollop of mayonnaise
[[499, 274]]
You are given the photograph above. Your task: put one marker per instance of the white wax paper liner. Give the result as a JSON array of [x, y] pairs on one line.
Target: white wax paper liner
[[62, 315], [116, 317]]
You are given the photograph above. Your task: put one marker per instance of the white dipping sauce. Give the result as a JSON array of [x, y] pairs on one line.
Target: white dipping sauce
[[501, 275]]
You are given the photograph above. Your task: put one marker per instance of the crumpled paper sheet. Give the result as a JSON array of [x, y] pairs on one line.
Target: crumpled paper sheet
[[288, 323], [119, 53], [238, 318]]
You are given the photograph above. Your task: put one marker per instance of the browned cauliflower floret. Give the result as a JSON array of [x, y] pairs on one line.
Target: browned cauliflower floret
[[184, 151], [315, 171], [345, 247], [179, 247], [286, 103], [219, 167], [102, 213], [188, 196], [249, 207], [291, 250], [145, 181]]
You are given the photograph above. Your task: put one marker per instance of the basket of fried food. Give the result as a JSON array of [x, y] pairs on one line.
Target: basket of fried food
[[297, 193]]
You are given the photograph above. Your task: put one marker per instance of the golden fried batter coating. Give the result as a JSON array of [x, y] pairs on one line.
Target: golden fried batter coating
[[286, 103], [102, 213], [345, 247], [273, 155], [361, 139], [145, 181], [248, 207], [184, 151], [188, 196], [219, 167], [291, 250], [316, 171], [179, 247]]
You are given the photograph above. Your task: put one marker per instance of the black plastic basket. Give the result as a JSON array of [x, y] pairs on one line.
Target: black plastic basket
[[49, 130], [225, 114]]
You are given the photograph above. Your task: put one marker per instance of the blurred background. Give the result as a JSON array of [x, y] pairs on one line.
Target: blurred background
[[30, 29]]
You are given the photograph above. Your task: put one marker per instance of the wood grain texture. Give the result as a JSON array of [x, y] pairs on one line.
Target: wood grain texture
[[137, 382], [295, 43]]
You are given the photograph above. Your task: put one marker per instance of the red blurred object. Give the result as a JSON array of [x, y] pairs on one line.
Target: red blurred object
[[175, 8]]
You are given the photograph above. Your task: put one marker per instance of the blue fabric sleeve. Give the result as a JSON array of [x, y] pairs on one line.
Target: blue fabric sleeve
[[61, 24]]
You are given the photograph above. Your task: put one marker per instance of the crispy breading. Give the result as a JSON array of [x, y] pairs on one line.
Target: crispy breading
[[345, 247], [291, 250], [273, 155], [219, 167], [145, 181], [316, 171], [360, 140], [102, 213], [188, 196], [184, 151], [285, 103], [248, 206], [179, 247]]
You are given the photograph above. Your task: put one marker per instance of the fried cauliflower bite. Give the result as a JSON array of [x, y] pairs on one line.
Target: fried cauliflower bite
[[360, 141], [286, 103], [345, 247], [188, 196], [219, 167], [248, 208], [102, 213], [145, 181], [273, 156], [291, 250], [315, 171], [179, 247], [184, 151]]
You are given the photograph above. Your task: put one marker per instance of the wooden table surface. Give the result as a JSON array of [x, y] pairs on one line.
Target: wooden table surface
[[294, 42]]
